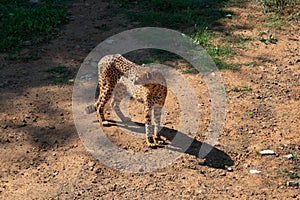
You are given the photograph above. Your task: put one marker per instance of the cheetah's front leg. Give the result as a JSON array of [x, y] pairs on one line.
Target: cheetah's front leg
[[149, 127], [102, 100], [119, 94], [157, 116]]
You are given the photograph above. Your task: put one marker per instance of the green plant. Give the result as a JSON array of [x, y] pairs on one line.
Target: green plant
[[276, 5], [182, 15], [174, 13], [249, 64], [293, 175], [294, 157], [249, 113], [25, 23], [270, 39], [217, 52], [242, 89], [190, 71], [60, 75], [282, 171], [103, 27]]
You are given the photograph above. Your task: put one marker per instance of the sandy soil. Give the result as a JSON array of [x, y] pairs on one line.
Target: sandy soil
[[42, 156]]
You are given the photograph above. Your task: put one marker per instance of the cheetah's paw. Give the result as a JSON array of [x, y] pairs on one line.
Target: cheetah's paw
[[105, 123], [150, 142]]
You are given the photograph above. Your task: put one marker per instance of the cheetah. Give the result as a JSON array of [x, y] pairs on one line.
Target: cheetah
[[116, 75]]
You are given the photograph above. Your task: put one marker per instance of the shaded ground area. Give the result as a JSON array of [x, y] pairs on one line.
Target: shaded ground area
[[42, 156]]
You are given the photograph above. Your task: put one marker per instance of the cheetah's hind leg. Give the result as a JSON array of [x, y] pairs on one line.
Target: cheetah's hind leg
[[158, 140], [150, 140], [118, 95]]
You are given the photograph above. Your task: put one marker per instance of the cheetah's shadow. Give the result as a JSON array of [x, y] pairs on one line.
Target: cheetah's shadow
[[214, 157]]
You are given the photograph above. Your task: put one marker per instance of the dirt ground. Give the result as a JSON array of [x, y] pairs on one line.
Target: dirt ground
[[42, 156]]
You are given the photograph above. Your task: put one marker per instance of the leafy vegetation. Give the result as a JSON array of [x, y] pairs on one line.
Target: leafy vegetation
[[176, 14], [60, 75], [183, 15], [280, 12], [279, 6], [25, 23], [218, 52], [295, 157]]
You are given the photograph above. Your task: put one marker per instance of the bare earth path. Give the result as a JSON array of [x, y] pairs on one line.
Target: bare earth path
[[42, 156]]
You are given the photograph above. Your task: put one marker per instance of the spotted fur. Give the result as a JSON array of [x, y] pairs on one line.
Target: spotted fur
[[118, 75]]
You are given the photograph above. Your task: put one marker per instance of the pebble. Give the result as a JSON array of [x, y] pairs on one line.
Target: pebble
[[292, 184], [51, 127], [4, 126], [229, 16], [267, 152], [254, 171], [288, 156], [27, 43], [223, 174], [71, 17], [229, 169]]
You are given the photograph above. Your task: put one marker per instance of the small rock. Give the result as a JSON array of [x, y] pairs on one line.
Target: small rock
[[27, 43], [229, 16], [51, 127], [254, 171], [4, 126], [24, 123], [141, 169], [288, 156], [71, 17], [223, 174], [110, 41], [267, 152], [292, 184], [229, 169]]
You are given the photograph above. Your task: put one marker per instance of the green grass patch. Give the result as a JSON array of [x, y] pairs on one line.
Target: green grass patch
[[198, 15], [190, 71], [293, 175], [280, 12], [249, 64], [295, 157], [219, 53], [278, 6], [275, 20], [60, 75], [249, 113], [174, 13], [25, 23], [242, 89]]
